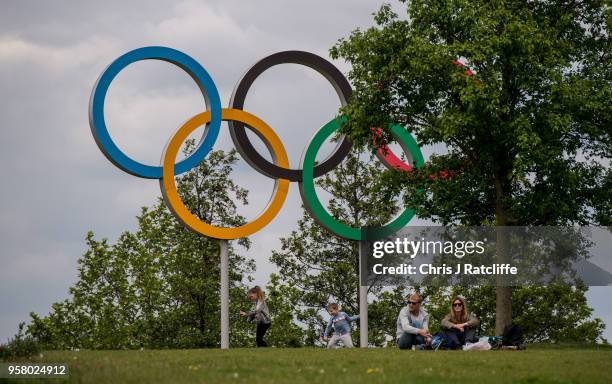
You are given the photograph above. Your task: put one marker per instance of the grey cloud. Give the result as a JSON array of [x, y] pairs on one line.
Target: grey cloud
[[61, 185]]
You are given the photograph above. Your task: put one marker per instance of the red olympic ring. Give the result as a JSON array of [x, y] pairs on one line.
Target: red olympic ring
[[385, 153]]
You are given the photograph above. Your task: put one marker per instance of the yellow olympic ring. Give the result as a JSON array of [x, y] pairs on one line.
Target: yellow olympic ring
[[176, 205]]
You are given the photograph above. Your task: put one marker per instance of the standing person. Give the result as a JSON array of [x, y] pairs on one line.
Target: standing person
[[341, 323], [460, 325], [261, 315], [413, 324]]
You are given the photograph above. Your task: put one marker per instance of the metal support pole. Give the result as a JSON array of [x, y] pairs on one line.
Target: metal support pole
[[363, 305], [223, 253]]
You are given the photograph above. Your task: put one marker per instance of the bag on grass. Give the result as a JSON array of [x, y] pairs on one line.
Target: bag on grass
[[441, 340], [480, 345], [495, 341]]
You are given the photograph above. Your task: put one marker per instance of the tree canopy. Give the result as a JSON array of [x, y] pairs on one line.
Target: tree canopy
[[157, 287], [525, 141]]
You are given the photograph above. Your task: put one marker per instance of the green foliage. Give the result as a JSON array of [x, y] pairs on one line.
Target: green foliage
[[557, 313], [157, 287], [526, 135], [321, 268], [284, 331], [317, 268], [382, 316], [530, 125], [527, 139], [20, 346]]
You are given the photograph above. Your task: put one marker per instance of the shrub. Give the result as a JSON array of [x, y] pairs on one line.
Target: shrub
[[20, 345]]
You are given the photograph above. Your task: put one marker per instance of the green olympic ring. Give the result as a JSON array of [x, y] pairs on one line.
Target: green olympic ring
[[318, 211]]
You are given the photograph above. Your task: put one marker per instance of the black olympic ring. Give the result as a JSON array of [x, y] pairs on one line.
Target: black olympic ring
[[237, 129]]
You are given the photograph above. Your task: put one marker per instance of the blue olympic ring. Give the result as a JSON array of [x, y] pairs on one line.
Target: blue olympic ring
[[183, 61]]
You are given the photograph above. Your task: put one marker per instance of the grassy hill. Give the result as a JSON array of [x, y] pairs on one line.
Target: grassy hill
[[308, 365]]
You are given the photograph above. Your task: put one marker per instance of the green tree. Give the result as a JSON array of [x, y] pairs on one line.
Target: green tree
[[555, 313], [382, 315], [281, 299], [323, 267], [527, 138], [158, 287]]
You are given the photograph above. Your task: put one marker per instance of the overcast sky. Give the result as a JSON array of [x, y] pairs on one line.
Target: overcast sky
[[61, 186]]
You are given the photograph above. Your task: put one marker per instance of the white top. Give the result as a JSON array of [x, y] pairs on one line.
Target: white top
[[407, 322]]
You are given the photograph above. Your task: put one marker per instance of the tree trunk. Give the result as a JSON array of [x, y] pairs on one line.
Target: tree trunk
[[503, 292], [503, 308]]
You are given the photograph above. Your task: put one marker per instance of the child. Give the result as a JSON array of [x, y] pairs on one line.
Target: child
[[342, 327], [261, 315]]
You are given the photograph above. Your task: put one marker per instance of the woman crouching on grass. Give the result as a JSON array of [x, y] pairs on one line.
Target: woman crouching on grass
[[261, 314], [460, 325]]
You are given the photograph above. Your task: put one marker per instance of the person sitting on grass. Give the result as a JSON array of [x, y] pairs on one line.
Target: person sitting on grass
[[459, 325], [341, 322], [413, 324], [261, 315]]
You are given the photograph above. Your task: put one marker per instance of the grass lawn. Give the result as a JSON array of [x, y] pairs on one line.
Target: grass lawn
[[308, 365]]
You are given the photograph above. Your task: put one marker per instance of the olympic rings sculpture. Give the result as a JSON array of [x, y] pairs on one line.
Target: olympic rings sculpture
[[238, 120]]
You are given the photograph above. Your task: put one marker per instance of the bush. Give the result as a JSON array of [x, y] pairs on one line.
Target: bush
[[20, 346]]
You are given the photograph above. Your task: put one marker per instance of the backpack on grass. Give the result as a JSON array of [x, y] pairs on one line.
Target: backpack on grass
[[441, 340], [512, 337]]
